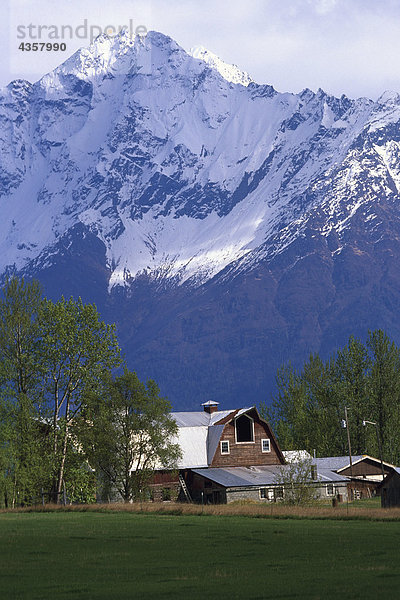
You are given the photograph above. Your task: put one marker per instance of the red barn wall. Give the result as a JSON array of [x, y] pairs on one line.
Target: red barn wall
[[246, 454]]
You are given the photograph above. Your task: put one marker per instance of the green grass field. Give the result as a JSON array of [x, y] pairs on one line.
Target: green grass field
[[119, 555]]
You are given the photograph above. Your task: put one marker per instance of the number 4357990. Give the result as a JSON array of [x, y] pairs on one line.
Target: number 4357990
[[42, 46]]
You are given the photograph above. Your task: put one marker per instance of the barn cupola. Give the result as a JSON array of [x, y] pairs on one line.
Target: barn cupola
[[210, 406]]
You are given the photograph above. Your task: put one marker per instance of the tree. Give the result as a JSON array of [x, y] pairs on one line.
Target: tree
[[20, 304], [288, 413], [23, 436], [304, 414], [351, 389], [128, 432], [309, 406], [296, 480], [51, 356], [77, 350], [384, 395]]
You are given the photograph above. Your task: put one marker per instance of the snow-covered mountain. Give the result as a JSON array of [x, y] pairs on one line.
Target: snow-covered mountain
[[214, 218]]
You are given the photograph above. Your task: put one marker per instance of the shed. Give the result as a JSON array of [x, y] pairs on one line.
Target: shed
[[390, 490]]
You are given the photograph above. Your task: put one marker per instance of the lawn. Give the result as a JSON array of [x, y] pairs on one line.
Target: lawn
[[120, 555]]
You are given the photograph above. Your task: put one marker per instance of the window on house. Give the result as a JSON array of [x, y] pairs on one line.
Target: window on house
[[244, 429], [279, 493], [265, 445], [330, 489], [225, 447]]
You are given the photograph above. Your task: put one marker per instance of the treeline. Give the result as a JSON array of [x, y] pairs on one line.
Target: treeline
[[67, 423], [308, 409]]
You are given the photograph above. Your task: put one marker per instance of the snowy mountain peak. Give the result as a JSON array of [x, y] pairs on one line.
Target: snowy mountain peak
[[119, 55], [225, 226], [175, 170], [106, 55], [231, 73], [389, 97]]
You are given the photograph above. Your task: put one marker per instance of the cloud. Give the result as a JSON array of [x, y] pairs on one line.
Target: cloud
[[343, 46]]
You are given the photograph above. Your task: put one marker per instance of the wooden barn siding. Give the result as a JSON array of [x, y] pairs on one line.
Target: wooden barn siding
[[199, 484], [390, 492], [366, 467], [367, 489], [246, 454], [164, 477]]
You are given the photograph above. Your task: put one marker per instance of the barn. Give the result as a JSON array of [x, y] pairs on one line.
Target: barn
[[233, 455]]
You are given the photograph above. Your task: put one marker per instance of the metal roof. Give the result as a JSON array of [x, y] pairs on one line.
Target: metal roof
[[200, 418], [259, 476], [193, 443], [241, 476], [335, 463], [327, 476], [213, 438], [199, 434]]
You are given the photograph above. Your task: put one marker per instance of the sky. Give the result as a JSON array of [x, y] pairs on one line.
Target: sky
[[342, 46]]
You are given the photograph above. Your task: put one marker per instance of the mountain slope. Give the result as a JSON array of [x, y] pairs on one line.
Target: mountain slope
[[225, 226]]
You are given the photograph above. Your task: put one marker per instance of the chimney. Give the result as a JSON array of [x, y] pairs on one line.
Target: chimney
[[210, 407]]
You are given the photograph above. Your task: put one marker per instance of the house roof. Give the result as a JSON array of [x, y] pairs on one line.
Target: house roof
[[329, 476], [241, 476], [258, 476], [334, 463]]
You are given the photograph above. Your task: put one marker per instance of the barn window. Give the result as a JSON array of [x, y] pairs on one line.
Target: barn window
[[279, 493], [265, 445], [244, 427], [267, 494], [329, 489], [225, 447]]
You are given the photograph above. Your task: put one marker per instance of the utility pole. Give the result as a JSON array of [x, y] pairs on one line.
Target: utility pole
[[346, 426]]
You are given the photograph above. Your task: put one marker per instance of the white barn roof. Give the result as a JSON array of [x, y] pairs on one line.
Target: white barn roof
[[199, 434]]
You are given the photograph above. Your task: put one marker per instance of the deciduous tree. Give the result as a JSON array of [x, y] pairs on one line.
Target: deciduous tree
[[77, 350], [131, 433]]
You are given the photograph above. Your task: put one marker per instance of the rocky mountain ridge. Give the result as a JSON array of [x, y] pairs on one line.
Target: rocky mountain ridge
[[225, 226]]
